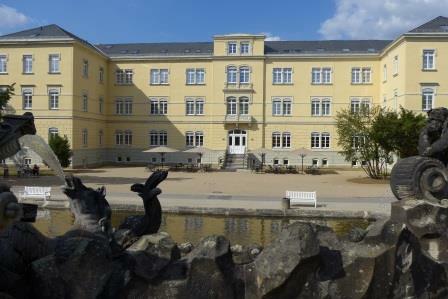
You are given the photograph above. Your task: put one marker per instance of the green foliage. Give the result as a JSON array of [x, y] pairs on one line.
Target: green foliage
[[61, 147], [5, 96], [379, 134], [399, 132], [367, 148]]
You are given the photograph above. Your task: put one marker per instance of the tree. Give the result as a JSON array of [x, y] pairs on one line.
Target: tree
[[359, 141], [399, 132], [61, 147], [5, 96]]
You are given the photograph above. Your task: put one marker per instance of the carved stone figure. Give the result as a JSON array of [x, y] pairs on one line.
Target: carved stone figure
[[12, 128], [425, 176]]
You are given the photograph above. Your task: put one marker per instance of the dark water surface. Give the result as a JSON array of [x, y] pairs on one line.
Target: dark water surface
[[182, 228]]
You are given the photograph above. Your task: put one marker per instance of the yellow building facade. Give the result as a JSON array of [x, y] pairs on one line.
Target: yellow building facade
[[238, 95]]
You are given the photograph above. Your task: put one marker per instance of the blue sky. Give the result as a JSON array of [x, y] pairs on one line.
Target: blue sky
[[109, 21]]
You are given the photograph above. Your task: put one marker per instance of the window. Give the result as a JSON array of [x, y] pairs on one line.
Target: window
[[84, 137], [286, 140], [276, 140], [429, 59], [282, 75], [101, 75], [231, 106], [3, 64], [52, 132], [100, 105], [281, 140], [158, 138], [321, 75], [238, 106], [53, 95], [85, 102], [27, 161], [366, 75], [244, 75], [85, 68], [27, 95], [232, 74], [427, 99], [324, 162], [54, 60], [384, 73], [315, 162], [194, 106], [100, 137], [124, 77], [158, 106], [320, 140], [281, 106], [123, 138], [231, 48], [194, 139], [285, 162], [195, 76], [159, 76], [320, 107], [245, 48], [123, 106], [356, 75], [276, 161], [360, 105], [358, 141], [27, 64], [244, 106], [395, 61]]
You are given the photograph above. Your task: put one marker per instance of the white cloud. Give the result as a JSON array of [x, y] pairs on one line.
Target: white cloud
[[380, 19], [10, 17], [271, 37]]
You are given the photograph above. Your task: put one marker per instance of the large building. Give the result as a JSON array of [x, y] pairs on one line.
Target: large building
[[236, 94]]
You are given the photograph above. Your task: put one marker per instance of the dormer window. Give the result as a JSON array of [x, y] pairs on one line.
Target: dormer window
[[244, 48], [232, 48]]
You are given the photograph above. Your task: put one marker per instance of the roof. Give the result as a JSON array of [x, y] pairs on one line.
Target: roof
[[158, 49], [325, 46], [52, 31], [439, 24]]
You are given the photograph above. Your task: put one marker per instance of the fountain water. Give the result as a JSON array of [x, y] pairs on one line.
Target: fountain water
[[38, 145]]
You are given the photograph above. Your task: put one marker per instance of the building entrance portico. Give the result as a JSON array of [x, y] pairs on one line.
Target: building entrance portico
[[237, 141]]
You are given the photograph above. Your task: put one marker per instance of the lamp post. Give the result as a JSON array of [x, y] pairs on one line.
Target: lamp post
[[302, 156], [263, 155]]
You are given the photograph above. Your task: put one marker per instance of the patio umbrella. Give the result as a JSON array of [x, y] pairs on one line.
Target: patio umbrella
[[200, 150], [302, 152], [162, 150]]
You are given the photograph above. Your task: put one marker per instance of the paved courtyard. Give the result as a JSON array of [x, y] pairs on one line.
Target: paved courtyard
[[243, 190]]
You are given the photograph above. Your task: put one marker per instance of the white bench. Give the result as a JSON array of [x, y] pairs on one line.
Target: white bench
[[36, 192], [300, 197]]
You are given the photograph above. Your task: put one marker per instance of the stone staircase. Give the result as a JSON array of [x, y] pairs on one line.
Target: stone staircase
[[235, 161]]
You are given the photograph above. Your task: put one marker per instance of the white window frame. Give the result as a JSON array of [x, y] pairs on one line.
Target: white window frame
[[232, 106], [85, 102], [27, 98], [356, 104], [54, 63], [53, 98], [158, 106], [428, 93], [321, 75], [194, 139], [318, 106], [3, 64], [101, 105], [243, 45], [356, 75], [384, 73], [101, 75], [85, 137], [85, 68], [282, 106], [282, 75], [52, 132], [159, 76], [232, 48], [232, 74], [124, 76], [123, 106], [396, 65], [320, 140], [427, 54], [244, 75], [195, 76], [27, 61]]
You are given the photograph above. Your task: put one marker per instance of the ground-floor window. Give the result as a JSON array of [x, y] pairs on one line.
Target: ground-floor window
[[281, 140], [285, 162], [315, 162], [324, 162], [194, 138], [276, 161], [84, 137], [320, 140], [158, 138]]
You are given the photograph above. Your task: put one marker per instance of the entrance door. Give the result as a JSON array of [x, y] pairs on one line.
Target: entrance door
[[237, 141]]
